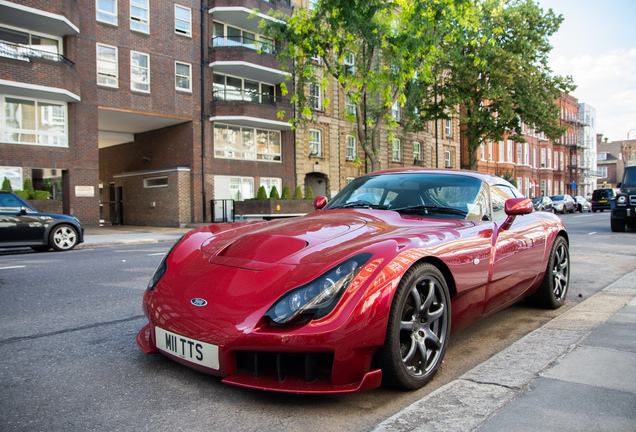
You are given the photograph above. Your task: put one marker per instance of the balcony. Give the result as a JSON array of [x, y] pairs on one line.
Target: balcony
[[24, 53], [51, 18], [241, 13], [244, 108], [242, 59]]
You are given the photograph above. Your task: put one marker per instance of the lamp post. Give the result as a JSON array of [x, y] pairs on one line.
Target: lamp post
[[630, 131]]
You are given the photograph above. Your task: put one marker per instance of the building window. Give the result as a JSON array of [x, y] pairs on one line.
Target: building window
[[602, 172], [417, 151], [183, 76], [228, 88], [36, 122], [106, 11], [511, 146], [226, 35], [269, 183], [483, 151], [351, 148], [315, 98], [14, 175], [140, 16], [526, 154], [107, 66], [543, 160], [350, 107], [490, 150], [140, 72], [397, 150], [502, 151], [21, 44], [350, 63], [235, 142], [156, 182], [395, 111], [448, 161], [182, 20], [448, 128], [315, 143], [313, 4]]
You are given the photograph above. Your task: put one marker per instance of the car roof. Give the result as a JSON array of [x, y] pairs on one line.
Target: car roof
[[485, 177]]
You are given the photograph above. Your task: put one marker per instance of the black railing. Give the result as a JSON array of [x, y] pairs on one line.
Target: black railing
[[222, 210], [25, 53], [247, 96], [246, 42]]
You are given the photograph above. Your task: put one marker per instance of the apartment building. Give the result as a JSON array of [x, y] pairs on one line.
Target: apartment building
[[539, 165], [587, 117]]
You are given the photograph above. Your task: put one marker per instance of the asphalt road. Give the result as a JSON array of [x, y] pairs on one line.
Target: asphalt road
[[69, 361]]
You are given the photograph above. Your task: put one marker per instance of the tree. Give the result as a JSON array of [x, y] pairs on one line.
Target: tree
[[298, 193], [373, 49], [6, 185], [498, 74], [273, 194], [286, 194], [261, 194]]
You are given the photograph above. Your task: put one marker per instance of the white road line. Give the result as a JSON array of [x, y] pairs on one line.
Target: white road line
[[12, 267], [154, 254], [592, 233]]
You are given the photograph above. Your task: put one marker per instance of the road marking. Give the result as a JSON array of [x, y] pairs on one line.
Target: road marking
[[154, 254], [12, 267], [592, 233]]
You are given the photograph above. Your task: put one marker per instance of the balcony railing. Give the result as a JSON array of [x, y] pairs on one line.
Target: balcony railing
[[246, 42], [25, 53], [247, 96]]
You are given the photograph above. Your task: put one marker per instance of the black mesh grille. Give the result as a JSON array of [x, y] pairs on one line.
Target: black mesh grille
[[301, 366]]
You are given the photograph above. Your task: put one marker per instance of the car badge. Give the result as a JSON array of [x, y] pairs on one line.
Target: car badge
[[198, 302]]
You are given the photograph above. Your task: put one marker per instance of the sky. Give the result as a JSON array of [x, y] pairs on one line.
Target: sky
[[596, 45]]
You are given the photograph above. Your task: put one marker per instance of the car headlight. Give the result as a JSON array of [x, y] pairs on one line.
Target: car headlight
[[161, 268], [622, 200], [320, 296]]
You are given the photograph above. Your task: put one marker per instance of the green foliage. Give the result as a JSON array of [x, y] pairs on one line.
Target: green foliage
[[273, 194], [498, 73], [41, 195], [310, 193], [27, 186], [22, 194], [507, 175], [375, 50], [298, 193], [286, 193], [6, 185], [262, 193]]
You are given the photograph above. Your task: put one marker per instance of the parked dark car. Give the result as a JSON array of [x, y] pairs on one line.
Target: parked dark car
[[582, 204], [542, 204], [23, 226], [601, 199], [563, 203], [624, 205]]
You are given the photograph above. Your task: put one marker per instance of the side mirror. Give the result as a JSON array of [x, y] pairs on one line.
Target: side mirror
[[320, 202], [516, 207], [23, 211]]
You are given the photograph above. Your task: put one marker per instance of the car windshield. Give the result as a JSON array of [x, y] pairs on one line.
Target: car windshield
[[438, 195], [557, 198], [630, 176]]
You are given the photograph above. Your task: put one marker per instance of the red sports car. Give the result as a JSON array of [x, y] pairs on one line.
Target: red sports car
[[361, 292]]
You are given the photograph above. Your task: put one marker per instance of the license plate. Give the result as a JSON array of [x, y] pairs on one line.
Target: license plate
[[603, 201], [192, 350]]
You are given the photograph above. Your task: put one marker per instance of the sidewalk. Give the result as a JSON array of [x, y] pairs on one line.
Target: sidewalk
[[114, 235], [577, 372]]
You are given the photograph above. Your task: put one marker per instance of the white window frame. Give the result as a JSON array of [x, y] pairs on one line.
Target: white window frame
[[417, 151], [53, 137], [186, 77], [138, 22], [148, 182], [526, 154], [396, 112], [502, 151], [448, 163], [108, 80], [187, 31], [12, 173], [245, 150], [396, 150], [137, 85], [315, 96], [350, 107], [350, 150], [269, 182], [448, 128], [349, 62], [602, 171], [315, 142], [106, 16]]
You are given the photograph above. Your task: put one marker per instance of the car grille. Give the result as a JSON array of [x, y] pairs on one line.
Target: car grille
[[283, 366], [632, 199]]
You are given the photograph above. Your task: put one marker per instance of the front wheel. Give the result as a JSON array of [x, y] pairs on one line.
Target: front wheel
[[418, 330], [63, 238], [554, 288], [617, 225]]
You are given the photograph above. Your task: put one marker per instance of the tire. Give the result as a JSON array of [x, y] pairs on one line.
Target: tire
[[63, 238], [418, 330], [554, 288], [617, 225], [40, 248]]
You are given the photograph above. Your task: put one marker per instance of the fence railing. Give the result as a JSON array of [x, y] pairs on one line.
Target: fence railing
[[222, 210], [246, 42], [247, 96], [25, 53]]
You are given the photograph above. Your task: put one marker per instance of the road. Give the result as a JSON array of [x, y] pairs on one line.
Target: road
[[69, 361]]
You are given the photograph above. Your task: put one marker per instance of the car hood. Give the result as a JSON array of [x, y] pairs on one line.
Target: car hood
[[321, 236]]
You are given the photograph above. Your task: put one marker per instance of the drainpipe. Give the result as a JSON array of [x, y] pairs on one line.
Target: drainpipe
[[203, 110]]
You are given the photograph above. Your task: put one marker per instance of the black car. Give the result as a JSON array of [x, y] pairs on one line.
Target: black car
[[624, 205], [21, 225], [601, 199], [542, 204]]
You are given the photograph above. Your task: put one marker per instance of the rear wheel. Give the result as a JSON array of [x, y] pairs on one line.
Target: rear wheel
[[63, 238], [418, 329], [617, 225], [554, 288]]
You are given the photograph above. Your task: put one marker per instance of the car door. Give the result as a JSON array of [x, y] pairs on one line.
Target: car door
[[517, 252], [19, 224]]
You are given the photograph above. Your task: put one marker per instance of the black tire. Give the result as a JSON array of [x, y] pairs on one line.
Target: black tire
[[63, 237], [554, 288], [40, 248], [418, 330], [617, 225]]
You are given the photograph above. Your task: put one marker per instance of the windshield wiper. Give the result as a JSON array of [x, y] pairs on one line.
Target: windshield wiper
[[426, 208], [363, 204]]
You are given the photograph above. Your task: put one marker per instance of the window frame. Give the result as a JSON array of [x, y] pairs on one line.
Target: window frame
[[350, 148], [177, 31], [249, 150], [396, 152], [417, 154], [147, 182], [115, 16], [142, 23], [146, 68], [448, 128], [38, 134], [177, 76], [116, 63], [317, 143], [315, 96]]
